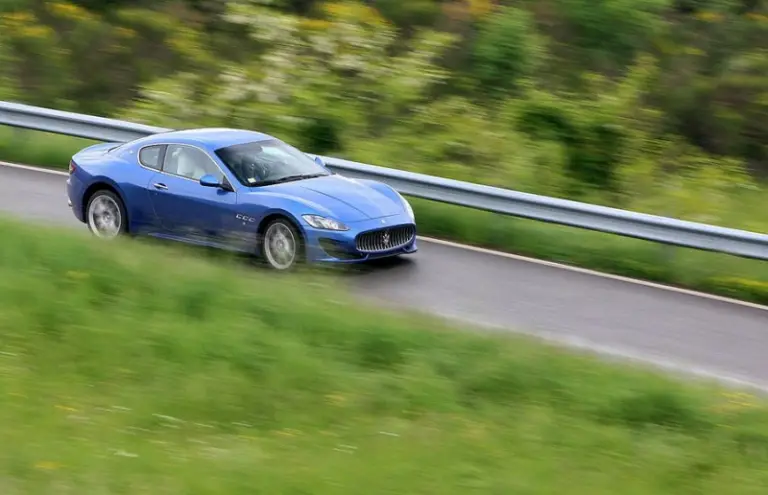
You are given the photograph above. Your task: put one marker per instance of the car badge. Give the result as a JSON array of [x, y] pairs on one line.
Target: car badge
[[385, 239]]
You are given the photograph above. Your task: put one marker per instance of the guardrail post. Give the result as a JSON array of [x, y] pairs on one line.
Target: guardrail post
[[668, 253]]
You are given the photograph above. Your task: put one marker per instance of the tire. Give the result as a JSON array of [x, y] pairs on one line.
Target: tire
[[105, 215], [282, 246]]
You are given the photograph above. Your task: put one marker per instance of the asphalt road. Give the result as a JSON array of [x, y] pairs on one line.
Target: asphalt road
[[668, 328]]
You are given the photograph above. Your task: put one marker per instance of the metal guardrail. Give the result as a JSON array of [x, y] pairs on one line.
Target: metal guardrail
[[559, 211]]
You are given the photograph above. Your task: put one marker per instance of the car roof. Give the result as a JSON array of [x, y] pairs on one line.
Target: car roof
[[210, 138]]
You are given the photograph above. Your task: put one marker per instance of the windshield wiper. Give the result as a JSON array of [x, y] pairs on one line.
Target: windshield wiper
[[289, 178]]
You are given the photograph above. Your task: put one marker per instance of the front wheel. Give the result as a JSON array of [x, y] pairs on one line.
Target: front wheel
[[282, 245], [105, 215]]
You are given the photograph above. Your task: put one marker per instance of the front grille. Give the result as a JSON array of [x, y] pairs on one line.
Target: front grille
[[385, 239]]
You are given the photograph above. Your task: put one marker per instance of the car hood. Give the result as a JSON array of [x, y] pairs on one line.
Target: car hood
[[347, 199]]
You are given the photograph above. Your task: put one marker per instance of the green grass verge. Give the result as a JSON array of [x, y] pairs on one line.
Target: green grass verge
[[39, 148], [140, 369], [710, 272]]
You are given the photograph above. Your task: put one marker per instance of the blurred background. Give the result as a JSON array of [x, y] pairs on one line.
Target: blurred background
[[652, 105]]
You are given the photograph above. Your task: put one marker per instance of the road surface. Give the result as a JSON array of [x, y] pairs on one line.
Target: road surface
[[670, 328]]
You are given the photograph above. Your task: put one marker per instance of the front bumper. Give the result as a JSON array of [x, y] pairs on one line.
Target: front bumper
[[324, 246]]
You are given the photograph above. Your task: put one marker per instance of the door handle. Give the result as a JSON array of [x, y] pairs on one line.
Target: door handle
[[160, 185]]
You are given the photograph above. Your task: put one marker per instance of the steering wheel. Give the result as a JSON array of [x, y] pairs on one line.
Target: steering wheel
[[258, 169]]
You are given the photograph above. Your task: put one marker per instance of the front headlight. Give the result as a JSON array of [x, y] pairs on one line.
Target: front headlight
[[324, 223], [407, 206]]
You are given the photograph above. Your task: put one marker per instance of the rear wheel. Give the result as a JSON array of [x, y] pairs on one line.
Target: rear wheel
[[282, 245], [105, 215]]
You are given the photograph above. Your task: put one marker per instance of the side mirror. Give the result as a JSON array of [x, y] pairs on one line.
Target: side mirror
[[209, 180], [320, 161]]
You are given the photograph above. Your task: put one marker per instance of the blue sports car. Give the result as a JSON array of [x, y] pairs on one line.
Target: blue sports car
[[237, 190]]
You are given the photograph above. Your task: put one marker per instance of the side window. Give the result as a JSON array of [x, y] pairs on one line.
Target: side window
[[189, 162], [150, 156]]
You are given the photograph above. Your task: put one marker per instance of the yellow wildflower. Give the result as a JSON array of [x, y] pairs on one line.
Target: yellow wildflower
[[335, 399], [77, 275], [709, 16]]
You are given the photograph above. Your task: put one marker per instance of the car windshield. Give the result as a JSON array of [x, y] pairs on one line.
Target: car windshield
[[262, 163]]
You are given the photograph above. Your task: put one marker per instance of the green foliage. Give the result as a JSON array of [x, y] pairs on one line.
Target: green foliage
[[151, 370], [506, 51], [593, 147], [292, 89], [70, 57], [331, 74], [610, 33], [410, 13], [739, 288], [7, 83]]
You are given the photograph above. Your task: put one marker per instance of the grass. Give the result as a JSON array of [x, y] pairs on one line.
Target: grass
[[39, 148], [144, 369], [709, 272]]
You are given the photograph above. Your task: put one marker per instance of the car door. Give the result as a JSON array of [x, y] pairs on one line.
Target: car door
[[144, 218], [184, 207]]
